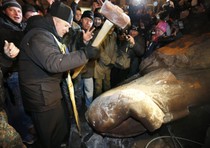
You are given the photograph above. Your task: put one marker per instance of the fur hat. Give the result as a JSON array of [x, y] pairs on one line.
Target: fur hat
[[10, 3], [62, 11], [88, 14]]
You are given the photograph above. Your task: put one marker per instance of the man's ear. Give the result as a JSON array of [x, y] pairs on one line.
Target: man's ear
[[54, 20]]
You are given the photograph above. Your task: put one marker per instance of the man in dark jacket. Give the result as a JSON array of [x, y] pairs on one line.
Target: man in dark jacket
[[87, 72], [40, 84], [9, 137], [12, 30]]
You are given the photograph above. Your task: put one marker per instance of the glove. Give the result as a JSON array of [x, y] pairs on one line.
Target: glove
[[92, 52]]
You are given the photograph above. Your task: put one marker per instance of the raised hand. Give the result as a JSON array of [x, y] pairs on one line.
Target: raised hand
[[88, 35], [130, 39], [100, 2], [10, 49]]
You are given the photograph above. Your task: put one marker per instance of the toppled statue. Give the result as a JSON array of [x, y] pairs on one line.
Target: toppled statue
[[171, 80]]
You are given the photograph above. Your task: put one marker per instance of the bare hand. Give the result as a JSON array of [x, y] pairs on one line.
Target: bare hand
[[100, 2], [88, 35], [130, 39], [10, 49]]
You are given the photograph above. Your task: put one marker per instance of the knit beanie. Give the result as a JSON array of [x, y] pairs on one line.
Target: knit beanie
[[97, 14], [10, 3], [27, 8], [62, 11], [162, 26], [88, 14]]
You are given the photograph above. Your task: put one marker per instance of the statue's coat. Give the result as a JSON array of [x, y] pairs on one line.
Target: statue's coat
[[172, 79]]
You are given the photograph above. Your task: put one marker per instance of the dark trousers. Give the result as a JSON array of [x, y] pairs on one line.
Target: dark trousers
[[52, 126]]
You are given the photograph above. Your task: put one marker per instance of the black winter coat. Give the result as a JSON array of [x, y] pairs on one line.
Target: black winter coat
[[12, 32], [42, 65]]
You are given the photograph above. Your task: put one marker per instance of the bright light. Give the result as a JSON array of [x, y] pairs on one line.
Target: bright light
[[137, 2], [155, 3]]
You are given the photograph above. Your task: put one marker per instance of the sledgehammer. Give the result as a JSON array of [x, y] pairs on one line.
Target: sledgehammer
[[114, 15]]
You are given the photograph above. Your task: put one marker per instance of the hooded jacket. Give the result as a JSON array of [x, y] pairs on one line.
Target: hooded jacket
[[42, 65]]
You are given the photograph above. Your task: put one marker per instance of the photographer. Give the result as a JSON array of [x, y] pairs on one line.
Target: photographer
[[126, 45], [137, 51]]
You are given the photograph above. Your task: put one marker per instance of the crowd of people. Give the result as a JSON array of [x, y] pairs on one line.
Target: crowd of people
[[44, 42]]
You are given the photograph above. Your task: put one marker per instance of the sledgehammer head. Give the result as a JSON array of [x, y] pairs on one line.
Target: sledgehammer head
[[115, 14]]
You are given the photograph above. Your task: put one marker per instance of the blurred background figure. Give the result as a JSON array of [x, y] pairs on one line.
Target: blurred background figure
[[96, 5], [98, 20], [104, 64], [77, 16], [28, 11], [138, 50]]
